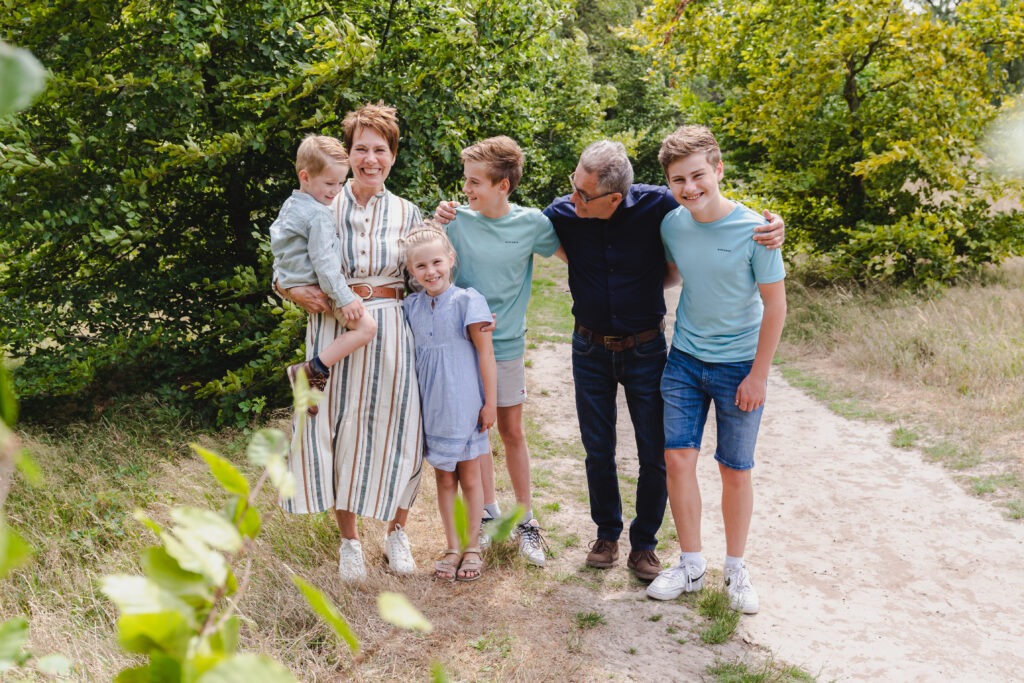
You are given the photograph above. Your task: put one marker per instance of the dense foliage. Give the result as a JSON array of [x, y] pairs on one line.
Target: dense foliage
[[141, 184], [860, 120], [139, 188]]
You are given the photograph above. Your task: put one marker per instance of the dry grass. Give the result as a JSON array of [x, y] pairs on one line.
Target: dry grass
[[949, 368]]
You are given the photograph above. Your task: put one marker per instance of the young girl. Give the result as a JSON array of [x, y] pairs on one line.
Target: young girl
[[458, 387]]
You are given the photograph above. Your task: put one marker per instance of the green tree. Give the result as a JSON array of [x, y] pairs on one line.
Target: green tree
[[140, 186], [638, 107], [860, 121]]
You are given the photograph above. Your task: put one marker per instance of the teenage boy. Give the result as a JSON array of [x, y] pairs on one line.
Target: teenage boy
[[494, 242], [306, 252], [728, 323]]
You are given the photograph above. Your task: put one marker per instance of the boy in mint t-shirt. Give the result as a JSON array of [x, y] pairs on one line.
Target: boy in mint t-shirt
[[728, 324], [494, 242]]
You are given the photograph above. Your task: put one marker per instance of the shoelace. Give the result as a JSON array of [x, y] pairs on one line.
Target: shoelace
[[531, 536], [739, 581]]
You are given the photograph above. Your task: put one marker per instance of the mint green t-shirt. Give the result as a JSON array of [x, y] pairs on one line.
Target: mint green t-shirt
[[494, 256], [718, 319]]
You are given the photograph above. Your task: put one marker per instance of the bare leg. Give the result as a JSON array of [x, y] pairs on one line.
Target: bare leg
[[684, 496], [347, 524], [359, 334], [517, 453], [737, 508], [447, 483], [469, 479], [487, 478], [401, 517]]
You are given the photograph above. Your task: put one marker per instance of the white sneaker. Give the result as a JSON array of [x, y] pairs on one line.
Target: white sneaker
[[350, 561], [398, 551], [684, 577], [531, 543], [484, 541], [742, 596]]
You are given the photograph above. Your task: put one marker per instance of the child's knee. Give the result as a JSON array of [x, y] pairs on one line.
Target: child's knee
[[365, 328]]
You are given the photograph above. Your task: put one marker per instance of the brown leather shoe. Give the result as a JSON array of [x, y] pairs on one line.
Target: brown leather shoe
[[644, 563], [603, 553], [315, 379]]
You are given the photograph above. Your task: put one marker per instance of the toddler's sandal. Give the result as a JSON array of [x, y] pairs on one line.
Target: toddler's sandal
[[445, 569], [472, 565]]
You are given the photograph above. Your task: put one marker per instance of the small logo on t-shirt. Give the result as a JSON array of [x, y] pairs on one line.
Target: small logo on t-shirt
[[511, 241], [727, 251]]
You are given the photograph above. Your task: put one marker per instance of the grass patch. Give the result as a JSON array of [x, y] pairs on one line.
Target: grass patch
[[768, 672], [713, 605], [588, 620], [902, 437]]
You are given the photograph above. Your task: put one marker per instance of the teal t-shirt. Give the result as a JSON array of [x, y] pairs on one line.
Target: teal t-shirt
[[494, 256], [719, 314]]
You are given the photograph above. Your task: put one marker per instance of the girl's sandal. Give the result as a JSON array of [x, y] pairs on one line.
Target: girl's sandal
[[472, 565], [445, 569]]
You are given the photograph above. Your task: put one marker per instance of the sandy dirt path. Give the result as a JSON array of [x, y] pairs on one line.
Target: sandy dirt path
[[871, 563]]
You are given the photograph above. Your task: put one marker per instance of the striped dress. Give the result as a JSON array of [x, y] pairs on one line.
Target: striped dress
[[363, 452]]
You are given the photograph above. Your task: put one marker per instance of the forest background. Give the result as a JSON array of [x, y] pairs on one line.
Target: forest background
[[139, 186]]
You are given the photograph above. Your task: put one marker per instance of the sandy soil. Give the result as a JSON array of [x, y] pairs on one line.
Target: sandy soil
[[871, 563]]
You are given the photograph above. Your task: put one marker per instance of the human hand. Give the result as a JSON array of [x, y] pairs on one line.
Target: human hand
[[773, 234], [309, 297], [445, 212], [353, 311], [750, 394], [488, 415], [491, 326]]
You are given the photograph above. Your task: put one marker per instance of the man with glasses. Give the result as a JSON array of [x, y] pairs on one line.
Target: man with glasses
[[610, 229]]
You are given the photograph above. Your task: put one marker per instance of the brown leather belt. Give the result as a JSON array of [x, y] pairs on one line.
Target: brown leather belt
[[365, 292], [621, 342]]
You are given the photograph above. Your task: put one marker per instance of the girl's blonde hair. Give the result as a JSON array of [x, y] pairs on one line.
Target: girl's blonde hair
[[427, 232]]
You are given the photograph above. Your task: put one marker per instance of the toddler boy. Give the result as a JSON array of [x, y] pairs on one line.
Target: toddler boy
[[304, 242]]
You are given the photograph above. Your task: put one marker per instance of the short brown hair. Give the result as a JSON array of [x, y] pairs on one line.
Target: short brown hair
[[503, 157], [688, 140], [378, 117], [317, 151]]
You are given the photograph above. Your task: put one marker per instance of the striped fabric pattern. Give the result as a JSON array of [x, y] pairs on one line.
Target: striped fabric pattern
[[363, 452]]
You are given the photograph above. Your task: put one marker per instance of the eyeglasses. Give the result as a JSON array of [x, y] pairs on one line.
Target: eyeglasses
[[581, 194]]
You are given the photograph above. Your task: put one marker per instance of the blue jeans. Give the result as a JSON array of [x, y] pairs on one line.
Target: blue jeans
[[689, 387], [597, 373]]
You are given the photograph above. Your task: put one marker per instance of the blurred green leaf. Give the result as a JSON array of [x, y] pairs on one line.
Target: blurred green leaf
[[22, 77], [223, 471], [14, 552], [8, 401], [323, 606], [13, 636], [462, 522], [208, 526], [396, 609], [247, 668]]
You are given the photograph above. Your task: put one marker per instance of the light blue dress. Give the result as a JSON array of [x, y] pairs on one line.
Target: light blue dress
[[448, 369]]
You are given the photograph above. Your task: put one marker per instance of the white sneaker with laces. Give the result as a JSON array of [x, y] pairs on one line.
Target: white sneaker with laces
[[350, 561], [683, 577], [531, 543], [742, 596], [398, 551]]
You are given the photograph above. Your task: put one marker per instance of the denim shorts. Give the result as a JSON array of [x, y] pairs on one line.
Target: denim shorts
[[688, 387]]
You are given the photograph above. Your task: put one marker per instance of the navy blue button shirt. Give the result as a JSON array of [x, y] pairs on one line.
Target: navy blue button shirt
[[617, 264]]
